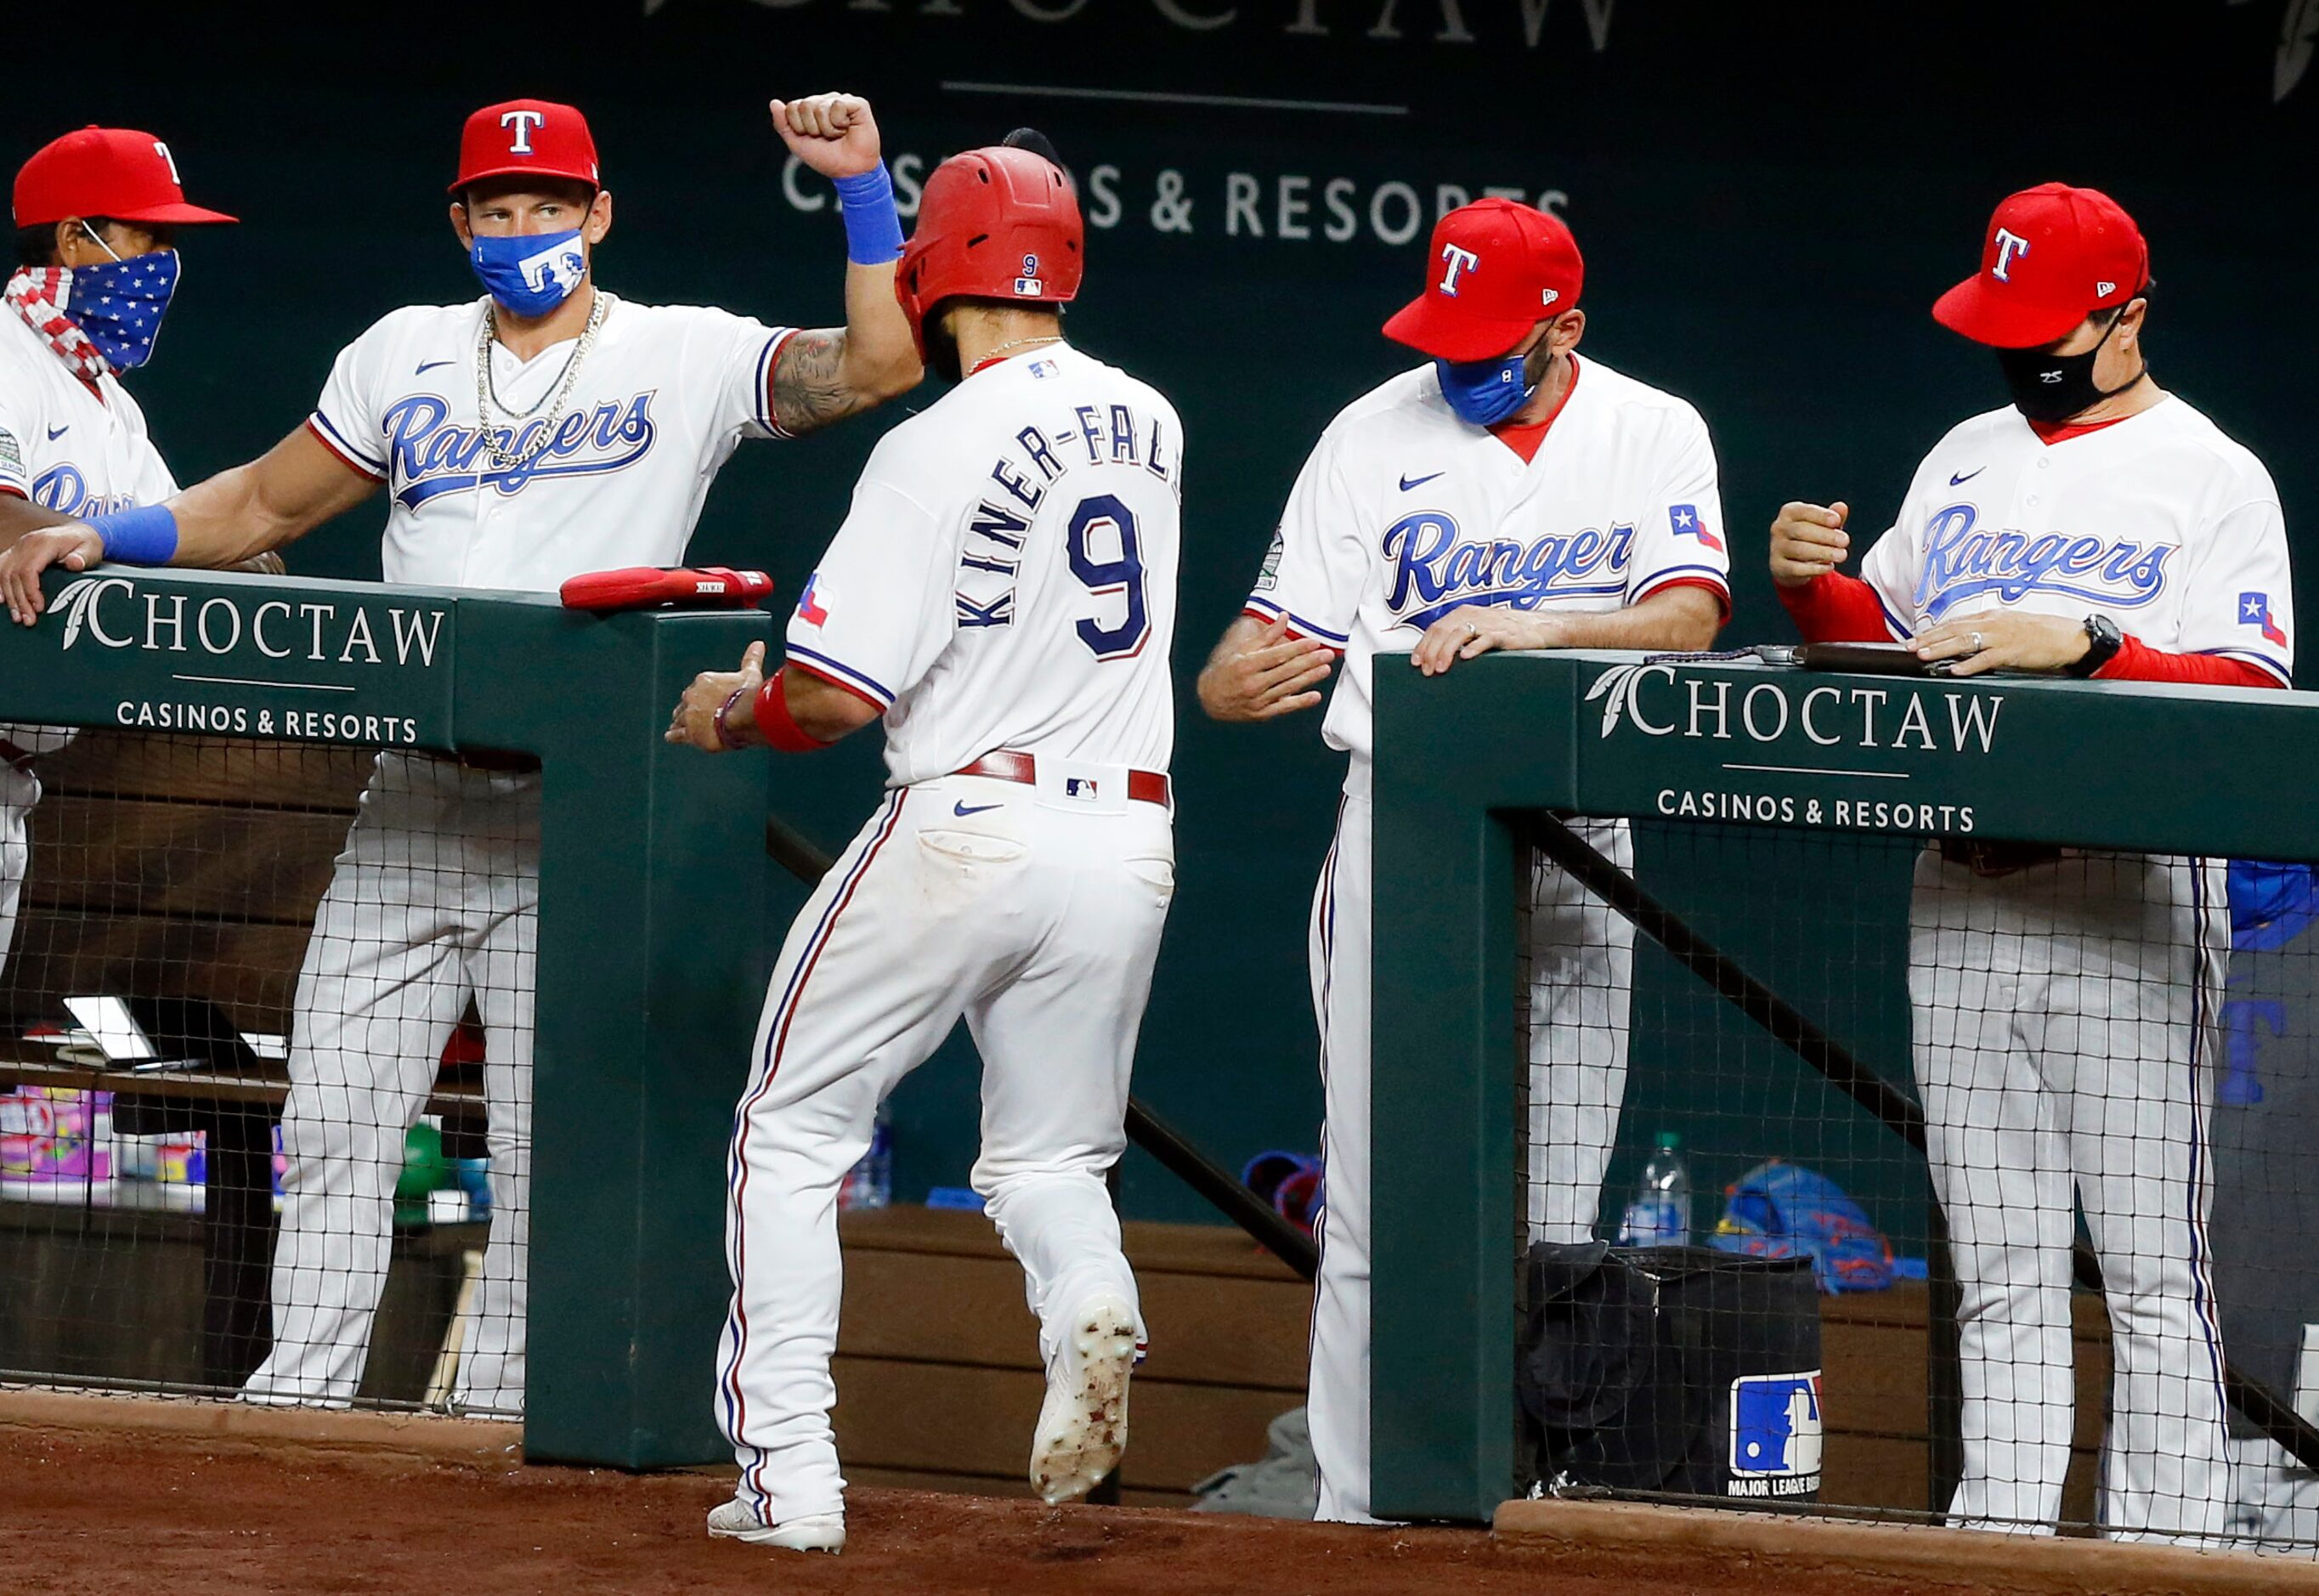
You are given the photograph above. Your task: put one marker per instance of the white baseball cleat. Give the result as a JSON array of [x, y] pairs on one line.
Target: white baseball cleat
[[816, 1532], [1083, 1423]]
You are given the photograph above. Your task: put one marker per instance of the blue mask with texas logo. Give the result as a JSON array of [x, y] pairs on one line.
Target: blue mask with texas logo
[[530, 273]]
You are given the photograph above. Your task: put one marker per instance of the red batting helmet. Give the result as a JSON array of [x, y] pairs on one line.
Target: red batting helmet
[[994, 223]]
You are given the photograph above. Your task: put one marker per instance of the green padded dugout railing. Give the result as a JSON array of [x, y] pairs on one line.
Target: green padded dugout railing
[[652, 938], [2114, 765]]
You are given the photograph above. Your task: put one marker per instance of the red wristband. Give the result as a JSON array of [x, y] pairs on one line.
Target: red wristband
[[778, 726]]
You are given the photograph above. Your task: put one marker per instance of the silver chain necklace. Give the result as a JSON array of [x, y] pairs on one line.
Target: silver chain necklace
[[487, 404], [995, 350]]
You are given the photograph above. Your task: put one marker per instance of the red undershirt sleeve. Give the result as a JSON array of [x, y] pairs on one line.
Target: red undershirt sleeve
[[2138, 661], [1834, 608]]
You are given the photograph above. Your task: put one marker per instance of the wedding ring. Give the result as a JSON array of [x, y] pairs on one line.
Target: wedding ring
[[1976, 643]]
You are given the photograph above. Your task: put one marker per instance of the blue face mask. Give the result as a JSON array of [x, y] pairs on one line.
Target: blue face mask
[[533, 274], [1484, 393], [119, 304]]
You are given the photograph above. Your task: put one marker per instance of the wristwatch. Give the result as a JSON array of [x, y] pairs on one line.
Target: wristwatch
[[2103, 640]]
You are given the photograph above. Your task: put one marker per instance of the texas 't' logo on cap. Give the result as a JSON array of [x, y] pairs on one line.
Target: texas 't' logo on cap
[[2053, 256], [1494, 269]]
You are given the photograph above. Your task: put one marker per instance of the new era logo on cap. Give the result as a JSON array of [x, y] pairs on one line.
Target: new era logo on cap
[[2052, 255], [1493, 267]]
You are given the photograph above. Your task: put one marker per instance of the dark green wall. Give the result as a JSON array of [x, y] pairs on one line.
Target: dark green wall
[[1769, 197]]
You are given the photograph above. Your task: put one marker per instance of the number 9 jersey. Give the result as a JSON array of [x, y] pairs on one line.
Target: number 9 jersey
[[1006, 575]]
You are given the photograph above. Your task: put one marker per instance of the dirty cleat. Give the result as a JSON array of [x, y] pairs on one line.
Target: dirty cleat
[[1083, 1424], [815, 1532]]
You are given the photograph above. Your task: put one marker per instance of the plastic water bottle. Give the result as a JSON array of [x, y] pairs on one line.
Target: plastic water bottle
[[870, 1183], [1660, 1213]]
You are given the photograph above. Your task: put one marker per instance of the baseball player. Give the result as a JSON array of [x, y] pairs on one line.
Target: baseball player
[[1508, 495], [1003, 596], [96, 217], [2065, 1001], [545, 430]]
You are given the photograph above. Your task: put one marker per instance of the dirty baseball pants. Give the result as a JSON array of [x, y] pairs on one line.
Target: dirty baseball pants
[[434, 901], [1037, 918], [2065, 1020], [1582, 974]]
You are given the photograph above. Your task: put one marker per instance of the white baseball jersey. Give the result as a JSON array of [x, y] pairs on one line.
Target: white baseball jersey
[[80, 453], [1404, 512], [2158, 521], [64, 447], [1006, 575], [657, 406]]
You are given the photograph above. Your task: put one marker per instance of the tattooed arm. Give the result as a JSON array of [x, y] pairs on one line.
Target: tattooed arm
[[823, 375]]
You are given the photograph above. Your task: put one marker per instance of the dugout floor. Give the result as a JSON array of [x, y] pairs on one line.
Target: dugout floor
[[204, 1509]]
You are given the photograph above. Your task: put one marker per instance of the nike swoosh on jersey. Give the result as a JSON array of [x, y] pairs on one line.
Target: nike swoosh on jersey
[[962, 808], [1968, 476], [1408, 482], [426, 366], [56, 432]]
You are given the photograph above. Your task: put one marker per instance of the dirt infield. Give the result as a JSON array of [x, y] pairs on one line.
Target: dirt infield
[[194, 1514]]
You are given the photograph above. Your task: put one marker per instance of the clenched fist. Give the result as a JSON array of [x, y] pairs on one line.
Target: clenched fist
[[1809, 541], [834, 134]]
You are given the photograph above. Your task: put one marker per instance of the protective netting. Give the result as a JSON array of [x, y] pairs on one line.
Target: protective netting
[[265, 1074], [1999, 1158]]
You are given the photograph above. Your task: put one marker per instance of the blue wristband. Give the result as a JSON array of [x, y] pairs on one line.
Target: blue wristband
[[873, 231], [144, 535]]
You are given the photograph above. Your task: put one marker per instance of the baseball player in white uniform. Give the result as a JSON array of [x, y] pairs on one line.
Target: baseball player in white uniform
[[1003, 596], [544, 430], [96, 214], [1508, 495], [2066, 1001]]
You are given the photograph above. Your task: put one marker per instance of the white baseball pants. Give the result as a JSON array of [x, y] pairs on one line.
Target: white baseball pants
[[2065, 1021], [1582, 967], [1037, 918], [435, 900], [18, 793]]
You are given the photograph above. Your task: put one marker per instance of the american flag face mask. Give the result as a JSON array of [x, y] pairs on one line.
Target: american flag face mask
[[119, 304]]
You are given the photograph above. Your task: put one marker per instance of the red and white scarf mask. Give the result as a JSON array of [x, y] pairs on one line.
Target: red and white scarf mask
[[39, 295]]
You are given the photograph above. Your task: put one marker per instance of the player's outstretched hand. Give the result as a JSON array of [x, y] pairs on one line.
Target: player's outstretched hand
[[1807, 541], [695, 723], [834, 134], [2005, 640], [76, 548], [1472, 629], [1275, 674]]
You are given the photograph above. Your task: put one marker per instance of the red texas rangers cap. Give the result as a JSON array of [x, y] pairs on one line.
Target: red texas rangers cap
[[1497, 270], [2054, 255], [527, 138], [112, 172]]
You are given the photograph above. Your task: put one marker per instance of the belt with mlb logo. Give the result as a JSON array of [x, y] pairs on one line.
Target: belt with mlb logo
[[1144, 787]]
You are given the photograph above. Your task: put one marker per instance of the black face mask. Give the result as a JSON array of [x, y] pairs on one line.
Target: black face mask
[[2054, 387]]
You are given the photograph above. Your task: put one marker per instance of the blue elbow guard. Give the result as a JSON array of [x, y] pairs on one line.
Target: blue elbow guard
[[873, 230], [145, 534]]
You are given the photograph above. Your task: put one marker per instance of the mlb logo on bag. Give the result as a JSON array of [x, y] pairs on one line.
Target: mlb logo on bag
[[1775, 1434]]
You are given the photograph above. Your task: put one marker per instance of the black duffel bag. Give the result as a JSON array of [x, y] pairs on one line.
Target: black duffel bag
[[1670, 1369]]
